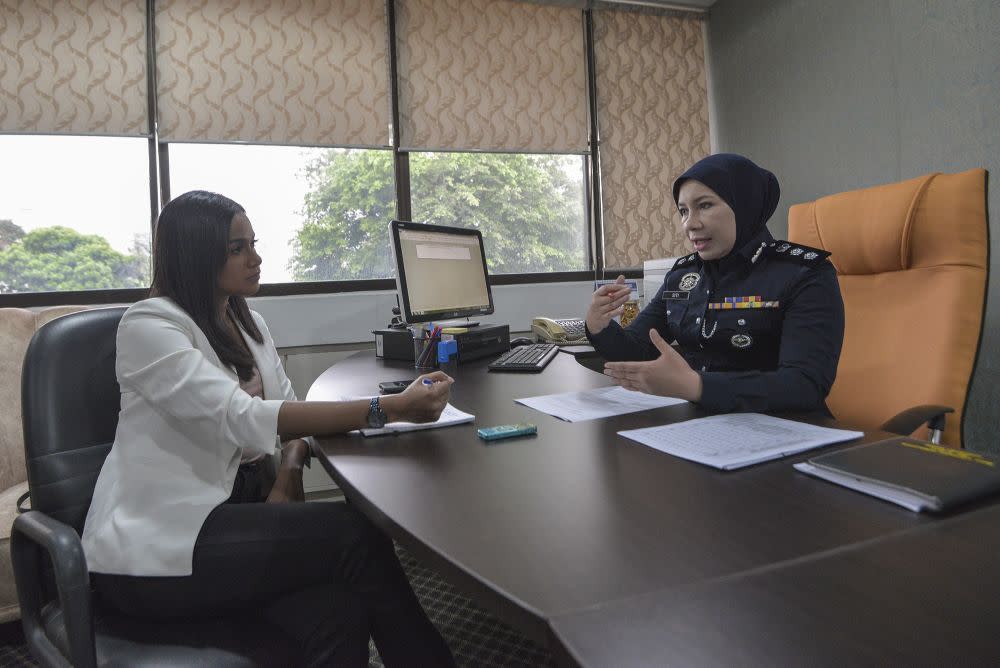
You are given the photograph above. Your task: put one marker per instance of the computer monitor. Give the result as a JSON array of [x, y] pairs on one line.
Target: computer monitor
[[440, 272]]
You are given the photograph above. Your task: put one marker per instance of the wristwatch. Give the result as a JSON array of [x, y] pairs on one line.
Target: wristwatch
[[376, 416]]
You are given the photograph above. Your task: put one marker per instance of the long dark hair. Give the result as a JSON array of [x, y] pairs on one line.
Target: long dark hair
[[190, 248]]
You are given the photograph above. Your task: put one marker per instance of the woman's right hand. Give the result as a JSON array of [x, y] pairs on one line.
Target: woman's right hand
[[606, 304], [420, 402]]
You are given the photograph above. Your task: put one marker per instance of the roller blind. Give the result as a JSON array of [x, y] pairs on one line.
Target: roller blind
[[73, 67], [310, 72], [653, 117], [491, 75]]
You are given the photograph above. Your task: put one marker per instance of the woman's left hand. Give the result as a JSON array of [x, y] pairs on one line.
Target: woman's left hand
[[668, 375], [287, 486], [295, 454]]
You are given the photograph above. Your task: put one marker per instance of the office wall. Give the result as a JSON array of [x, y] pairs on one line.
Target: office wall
[[833, 96]]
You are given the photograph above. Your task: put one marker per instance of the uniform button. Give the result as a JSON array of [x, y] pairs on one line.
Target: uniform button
[[742, 321], [708, 292], [668, 311], [701, 345], [697, 321], [704, 368]]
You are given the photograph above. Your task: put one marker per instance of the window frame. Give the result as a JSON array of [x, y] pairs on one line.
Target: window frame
[[159, 171]]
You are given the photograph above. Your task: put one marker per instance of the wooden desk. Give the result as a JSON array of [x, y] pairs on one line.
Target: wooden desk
[[578, 516], [924, 597]]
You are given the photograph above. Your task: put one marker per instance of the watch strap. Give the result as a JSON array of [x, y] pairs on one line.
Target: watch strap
[[376, 415]]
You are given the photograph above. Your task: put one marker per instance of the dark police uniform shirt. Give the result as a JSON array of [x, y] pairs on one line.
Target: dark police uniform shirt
[[763, 326]]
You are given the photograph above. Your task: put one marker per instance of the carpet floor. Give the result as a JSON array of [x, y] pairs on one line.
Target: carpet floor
[[475, 637]]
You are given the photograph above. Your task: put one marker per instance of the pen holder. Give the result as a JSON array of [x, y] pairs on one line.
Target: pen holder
[[425, 352]]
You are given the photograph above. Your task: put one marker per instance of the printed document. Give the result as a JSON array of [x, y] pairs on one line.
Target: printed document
[[449, 416], [737, 440], [598, 403]]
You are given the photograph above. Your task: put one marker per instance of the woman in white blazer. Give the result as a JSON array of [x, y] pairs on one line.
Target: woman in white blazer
[[188, 519]]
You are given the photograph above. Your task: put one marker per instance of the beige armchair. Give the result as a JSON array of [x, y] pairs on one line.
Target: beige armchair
[[17, 326]]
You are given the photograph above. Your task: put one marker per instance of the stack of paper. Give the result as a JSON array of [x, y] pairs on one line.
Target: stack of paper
[[737, 440]]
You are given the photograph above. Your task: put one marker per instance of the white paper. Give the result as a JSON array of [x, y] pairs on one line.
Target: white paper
[[736, 440], [449, 416], [598, 403]]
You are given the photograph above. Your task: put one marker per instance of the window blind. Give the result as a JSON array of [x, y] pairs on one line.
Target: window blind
[[311, 72], [491, 75], [73, 67], [653, 117]]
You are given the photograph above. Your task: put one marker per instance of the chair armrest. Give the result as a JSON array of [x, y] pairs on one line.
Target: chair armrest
[[33, 535], [905, 422]]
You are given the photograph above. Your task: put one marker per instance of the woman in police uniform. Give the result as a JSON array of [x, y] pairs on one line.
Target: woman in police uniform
[[758, 322]]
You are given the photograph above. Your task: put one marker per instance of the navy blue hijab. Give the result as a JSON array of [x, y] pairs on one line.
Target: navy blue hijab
[[751, 192]]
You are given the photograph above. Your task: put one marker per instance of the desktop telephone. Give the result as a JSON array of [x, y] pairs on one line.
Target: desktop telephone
[[565, 330]]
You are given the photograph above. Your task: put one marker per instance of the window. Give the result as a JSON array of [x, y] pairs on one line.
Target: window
[[530, 208], [74, 213], [319, 213]]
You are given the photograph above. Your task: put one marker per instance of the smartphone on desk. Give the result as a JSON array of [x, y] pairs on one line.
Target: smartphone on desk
[[394, 386], [565, 330]]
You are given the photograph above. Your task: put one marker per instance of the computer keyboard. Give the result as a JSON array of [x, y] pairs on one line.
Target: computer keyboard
[[531, 358]]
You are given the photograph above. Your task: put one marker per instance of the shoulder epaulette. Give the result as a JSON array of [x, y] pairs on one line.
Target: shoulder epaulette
[[786, 250], [681, 261]]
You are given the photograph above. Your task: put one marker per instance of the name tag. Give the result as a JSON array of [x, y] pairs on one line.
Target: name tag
[[676, 294]]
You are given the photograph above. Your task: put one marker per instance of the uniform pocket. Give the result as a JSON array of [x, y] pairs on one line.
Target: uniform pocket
[[746, 329]]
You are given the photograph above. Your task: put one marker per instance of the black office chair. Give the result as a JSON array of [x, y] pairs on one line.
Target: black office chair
[[70, 403]]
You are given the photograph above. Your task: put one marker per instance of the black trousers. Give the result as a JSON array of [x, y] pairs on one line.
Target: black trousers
[[321, 572]]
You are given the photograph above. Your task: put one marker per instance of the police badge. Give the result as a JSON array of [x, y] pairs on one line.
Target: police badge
[[688, 281], [741, 340]]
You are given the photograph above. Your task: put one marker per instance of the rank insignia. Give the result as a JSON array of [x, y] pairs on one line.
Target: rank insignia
[[689, 281], [782, 248], [741, 340], [796, 251], [810, 255]]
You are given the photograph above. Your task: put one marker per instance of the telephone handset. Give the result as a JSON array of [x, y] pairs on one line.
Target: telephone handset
[[565, 330]]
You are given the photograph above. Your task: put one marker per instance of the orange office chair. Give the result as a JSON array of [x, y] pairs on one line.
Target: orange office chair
[[911, 258]]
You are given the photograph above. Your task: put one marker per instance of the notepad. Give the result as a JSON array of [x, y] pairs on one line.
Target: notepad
[[737, 440], [910, 472], [449, 416]]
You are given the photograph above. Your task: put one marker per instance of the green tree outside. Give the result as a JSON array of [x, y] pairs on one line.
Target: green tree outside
[[59, 258], [526, 206]]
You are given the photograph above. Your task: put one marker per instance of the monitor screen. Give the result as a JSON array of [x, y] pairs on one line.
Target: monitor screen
[[440, 272]]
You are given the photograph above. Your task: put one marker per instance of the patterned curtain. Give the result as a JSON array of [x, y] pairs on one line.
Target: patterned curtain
[[491, 75], [311, 72], [73, 67], [653, 115]]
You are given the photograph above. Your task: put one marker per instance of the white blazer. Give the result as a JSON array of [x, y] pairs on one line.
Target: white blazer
[[183, 426]]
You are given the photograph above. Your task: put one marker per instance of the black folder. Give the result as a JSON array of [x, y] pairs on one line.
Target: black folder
[[913, 473]]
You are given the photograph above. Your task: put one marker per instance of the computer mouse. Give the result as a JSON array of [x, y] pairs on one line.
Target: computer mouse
[[520, 341]]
